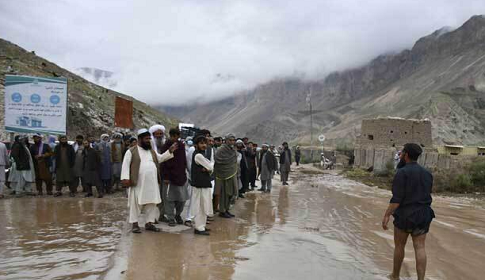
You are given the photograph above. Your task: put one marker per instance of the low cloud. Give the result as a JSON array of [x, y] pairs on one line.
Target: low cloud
[[178, 52]]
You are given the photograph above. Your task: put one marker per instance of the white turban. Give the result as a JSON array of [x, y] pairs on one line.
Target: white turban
[[156, 128], [152, 130]]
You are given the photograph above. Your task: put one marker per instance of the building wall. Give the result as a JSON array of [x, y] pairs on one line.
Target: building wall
[[379, 158], [465, 151], [394, 132]]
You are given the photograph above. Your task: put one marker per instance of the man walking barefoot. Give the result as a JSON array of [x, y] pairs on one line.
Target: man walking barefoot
[[411, 207]]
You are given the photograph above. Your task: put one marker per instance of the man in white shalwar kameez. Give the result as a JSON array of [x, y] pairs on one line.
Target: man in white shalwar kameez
[[189, 151], [140, 172], [158, 140], [201, 181]]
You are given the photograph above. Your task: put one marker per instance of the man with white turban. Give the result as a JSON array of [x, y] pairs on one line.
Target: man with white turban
[[140, 172], [158, 136], [158, 140]]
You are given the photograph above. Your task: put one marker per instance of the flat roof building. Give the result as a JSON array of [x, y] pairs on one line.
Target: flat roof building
[[395, 132]]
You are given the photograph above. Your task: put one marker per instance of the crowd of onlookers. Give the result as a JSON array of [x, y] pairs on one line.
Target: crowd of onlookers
[[53, 163], [83, 163]]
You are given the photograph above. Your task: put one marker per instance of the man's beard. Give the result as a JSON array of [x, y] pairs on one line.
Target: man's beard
[[159, 141], [146, 146]]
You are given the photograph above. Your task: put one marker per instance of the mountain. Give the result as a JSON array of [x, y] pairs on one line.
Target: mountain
[[100, 77], [441, 78], [91, 107]]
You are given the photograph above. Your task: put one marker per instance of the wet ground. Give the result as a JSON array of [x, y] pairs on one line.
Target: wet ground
[[59, 238], [322, 226]]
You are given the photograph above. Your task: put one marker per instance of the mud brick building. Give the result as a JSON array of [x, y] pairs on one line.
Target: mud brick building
[[395, 132]]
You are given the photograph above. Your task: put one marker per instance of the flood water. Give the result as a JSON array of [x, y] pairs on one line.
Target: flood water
[[322, 226], [59, 238]]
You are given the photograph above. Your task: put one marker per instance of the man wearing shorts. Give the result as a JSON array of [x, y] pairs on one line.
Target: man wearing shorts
[[410, 206]]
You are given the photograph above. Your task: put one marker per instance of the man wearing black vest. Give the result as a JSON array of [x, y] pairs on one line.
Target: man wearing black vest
[[201, 181]]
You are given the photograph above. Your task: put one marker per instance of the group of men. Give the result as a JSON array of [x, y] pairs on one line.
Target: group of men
[[163, 174], [87, 163]]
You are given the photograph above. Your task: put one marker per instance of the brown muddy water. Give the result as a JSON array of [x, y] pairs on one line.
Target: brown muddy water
[[322, 226], [59, 238]]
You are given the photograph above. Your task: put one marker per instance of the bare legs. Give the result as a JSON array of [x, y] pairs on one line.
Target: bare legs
[[420, 252], [400, 239]]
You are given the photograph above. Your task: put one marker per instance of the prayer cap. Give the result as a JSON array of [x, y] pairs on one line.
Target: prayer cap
[[265, 145], [239, 141], [142, 132]]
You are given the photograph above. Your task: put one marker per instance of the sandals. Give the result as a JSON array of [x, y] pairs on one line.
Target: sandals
[[188, 223], [151, 227]]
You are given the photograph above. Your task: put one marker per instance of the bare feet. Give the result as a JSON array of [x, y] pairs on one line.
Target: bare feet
[[392, 277]]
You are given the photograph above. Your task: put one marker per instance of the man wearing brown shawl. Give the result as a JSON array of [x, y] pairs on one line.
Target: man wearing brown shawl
[[41, 154], [226, 175]]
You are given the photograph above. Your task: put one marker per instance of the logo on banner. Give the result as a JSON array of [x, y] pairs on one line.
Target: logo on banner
[[35, 98], [16, 97], [55, 99]]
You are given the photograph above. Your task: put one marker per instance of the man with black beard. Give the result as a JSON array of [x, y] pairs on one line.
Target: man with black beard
[[217, 142], [41, 154], [65, 158], [140, 173]]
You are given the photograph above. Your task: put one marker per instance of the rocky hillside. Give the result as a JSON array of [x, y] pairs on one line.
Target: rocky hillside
[[91, 107], [441, 78]]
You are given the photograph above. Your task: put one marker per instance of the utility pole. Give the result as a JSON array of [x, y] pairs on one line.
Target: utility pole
[[309, 102]]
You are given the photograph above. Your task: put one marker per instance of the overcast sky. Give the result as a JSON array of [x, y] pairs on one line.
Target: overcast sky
[[171, 52]]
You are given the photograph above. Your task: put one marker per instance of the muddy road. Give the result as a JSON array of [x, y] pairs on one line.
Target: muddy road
[[322, 226]]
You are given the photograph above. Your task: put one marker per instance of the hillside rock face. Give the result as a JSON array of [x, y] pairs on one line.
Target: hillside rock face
[[91, 107], [441, 78]]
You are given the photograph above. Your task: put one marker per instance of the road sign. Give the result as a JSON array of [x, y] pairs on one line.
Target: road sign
[[321, 138]]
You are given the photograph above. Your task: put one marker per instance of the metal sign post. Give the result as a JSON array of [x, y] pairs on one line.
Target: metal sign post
[[321, 138]]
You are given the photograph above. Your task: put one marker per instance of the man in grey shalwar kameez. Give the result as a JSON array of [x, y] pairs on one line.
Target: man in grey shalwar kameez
[[117, 152], [106, 173], [174, 172], [285, 164], [268, 166]]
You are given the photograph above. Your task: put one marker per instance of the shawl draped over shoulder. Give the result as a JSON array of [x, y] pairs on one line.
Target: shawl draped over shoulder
[[225, 162]]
